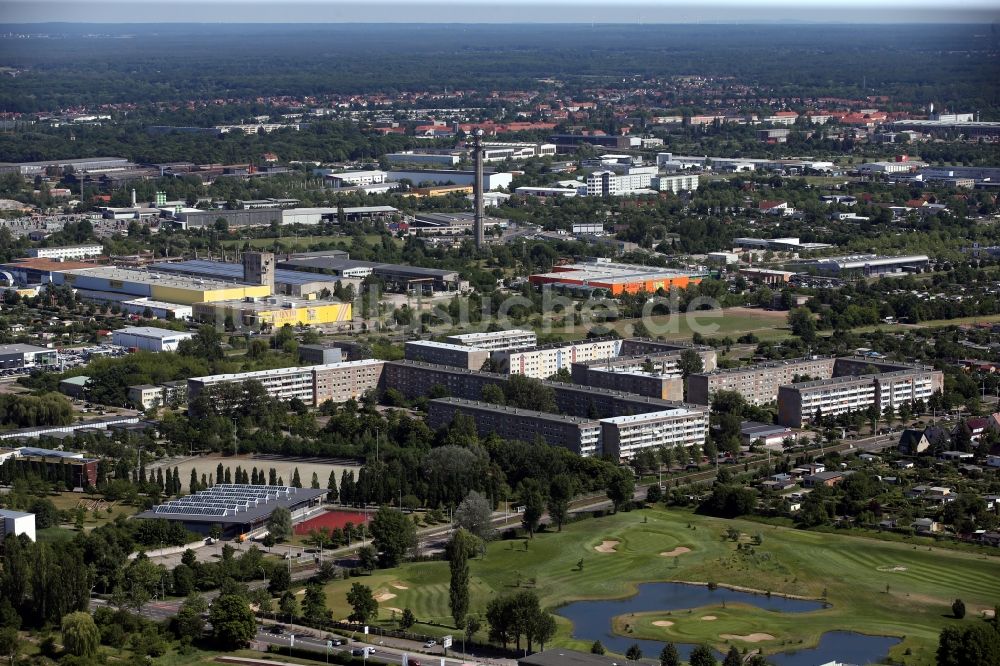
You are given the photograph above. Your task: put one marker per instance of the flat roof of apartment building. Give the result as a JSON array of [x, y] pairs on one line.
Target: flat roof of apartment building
[[489, 335], [649, 416], [514, 411], [766, 365], [433, 344], [846, 379]]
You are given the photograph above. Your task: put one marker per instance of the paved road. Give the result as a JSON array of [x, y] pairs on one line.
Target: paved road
[[393, 654]]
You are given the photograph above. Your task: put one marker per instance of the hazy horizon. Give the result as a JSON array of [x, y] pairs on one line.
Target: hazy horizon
[[487, 12]]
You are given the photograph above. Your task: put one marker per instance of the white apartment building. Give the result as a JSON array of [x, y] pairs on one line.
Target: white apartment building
[[896, 388], [67, 253], [346, 380], [798, 403], [543, 362], [512, 340], [607, 183], [312, 384], [675, 184], [624, 436], [146, 395], [281, 383]]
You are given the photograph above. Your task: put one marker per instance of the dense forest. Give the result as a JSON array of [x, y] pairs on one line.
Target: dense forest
[[77, 65]]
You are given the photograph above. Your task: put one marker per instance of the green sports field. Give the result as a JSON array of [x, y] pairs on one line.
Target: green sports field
[[875, 587]]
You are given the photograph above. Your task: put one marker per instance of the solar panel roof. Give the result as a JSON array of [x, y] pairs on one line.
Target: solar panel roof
[[232, 503], [223, 270]]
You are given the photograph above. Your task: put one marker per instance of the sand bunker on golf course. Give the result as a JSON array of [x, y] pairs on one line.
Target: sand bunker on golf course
[[679, 550], [749, 638], [709, 618], [382, 597], [663, 623], [400, 586], [607, 546]]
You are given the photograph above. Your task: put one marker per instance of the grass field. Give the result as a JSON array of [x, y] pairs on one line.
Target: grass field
[[876, 587], [734, 322]]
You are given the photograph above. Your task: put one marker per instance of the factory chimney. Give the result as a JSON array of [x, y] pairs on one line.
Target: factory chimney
[[133, 197], [477, 144]]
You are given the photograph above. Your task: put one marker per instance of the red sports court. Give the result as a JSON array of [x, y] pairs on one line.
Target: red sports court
[[332, 519]]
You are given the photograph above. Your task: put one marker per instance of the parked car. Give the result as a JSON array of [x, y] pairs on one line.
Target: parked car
[[431, 643]]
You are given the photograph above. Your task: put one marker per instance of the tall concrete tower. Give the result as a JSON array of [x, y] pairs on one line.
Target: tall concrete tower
[[477, 144], [258, 268]]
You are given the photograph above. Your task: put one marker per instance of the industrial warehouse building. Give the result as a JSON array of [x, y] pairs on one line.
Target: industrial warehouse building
[[112, 284], [396, 277], [26, 356], [149, 338], [491, 180], [862, 264], [239, 510], [290, 283], [274, 311], [615, 279]]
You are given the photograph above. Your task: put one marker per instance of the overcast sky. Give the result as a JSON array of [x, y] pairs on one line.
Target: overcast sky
[[499, 11]]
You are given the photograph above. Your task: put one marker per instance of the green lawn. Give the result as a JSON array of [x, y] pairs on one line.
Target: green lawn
[[54, 535], [69, 501], [733, 322], [853, 572]]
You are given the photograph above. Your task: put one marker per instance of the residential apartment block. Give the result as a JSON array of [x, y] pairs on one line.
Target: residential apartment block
[[414, 379], [757, 383], [281, 383], [656, 375], [607, 183], [580, 435], [545, 361], [347, 380], [444, 353], [624, 436], [799, 404], [675, 184], [619, 437], [66, 253], [654, 384], [512, 340], [312, 384]]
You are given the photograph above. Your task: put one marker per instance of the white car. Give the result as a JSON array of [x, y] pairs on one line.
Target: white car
[[431, 643]]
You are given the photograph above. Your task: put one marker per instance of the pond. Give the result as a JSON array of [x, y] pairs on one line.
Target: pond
[[592, 621]]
